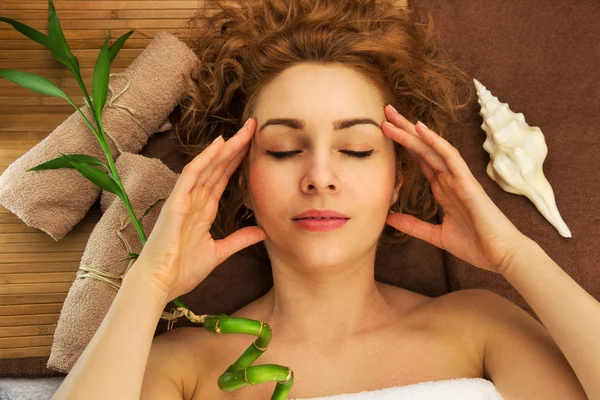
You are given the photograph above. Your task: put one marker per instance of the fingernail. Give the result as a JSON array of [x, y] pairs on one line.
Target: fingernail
[[214, 141], [422, 124], [246, 123], [392, 107]]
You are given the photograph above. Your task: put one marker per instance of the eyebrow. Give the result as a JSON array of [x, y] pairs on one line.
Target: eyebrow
[[339, 124]]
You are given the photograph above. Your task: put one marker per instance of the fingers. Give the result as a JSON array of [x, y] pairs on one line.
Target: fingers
[[413, 226], [449, 153], [219, 187], [403, 131], [209, 161], [214, 186], [236, 143], [437, 151], [238, 240], [427, 171], [189, 175]]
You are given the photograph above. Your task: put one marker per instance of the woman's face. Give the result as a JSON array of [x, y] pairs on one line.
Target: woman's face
[[320, 173]]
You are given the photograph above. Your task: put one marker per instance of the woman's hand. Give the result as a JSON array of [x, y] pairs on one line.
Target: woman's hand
[[473, 228], [180, 251]]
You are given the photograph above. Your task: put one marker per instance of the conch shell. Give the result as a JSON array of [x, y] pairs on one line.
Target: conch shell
[[517, 152]]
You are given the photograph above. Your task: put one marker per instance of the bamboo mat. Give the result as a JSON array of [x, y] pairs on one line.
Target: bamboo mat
[[35, 271]]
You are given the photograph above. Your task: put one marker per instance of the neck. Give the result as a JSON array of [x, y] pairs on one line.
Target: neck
[[322, 309]]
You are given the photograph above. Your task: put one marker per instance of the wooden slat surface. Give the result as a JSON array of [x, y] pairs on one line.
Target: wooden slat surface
[[37, 272]]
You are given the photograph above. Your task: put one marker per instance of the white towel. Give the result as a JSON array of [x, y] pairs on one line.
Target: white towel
[[450, 389]]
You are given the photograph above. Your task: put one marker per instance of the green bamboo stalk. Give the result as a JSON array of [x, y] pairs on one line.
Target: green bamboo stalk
[[240, 373]]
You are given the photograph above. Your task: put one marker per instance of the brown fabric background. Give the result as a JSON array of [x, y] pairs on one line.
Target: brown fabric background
[[542, 60]]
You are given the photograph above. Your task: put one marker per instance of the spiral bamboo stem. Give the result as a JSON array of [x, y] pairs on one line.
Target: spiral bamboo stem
[[242, 373]]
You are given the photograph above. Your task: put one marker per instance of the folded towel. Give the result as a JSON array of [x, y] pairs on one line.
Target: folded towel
[[145, 180], [450, 389], [30, 389], [138, 103]]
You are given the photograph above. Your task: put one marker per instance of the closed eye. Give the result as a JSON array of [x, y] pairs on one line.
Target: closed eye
[[288, 154]]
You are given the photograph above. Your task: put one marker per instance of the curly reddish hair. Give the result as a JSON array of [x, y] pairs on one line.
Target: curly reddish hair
[[245, 44]]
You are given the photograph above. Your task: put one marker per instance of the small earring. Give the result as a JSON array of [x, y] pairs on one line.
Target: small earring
[[248, 212]]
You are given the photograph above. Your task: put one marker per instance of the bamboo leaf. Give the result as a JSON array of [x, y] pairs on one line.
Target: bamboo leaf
[[116, 46], [39, 37], [148, 210], [130, 256], [34, 82], [100, 79], [63, 162], [96, 176], [41, 85], [55, 32]]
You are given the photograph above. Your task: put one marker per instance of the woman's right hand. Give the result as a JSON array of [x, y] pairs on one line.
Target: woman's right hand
[[180, 251]]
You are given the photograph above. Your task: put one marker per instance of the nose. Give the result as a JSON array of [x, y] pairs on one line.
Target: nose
[[321, 173]]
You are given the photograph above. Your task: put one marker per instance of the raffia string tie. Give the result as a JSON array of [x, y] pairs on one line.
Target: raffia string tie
[[129, 111], [112, 280], [115, 281], [180, 311]]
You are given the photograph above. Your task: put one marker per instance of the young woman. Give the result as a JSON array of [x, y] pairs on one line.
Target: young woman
[[316, 79]]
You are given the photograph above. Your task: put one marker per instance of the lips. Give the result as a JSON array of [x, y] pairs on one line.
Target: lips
[[319, 218], [322, 213], [321, 225]]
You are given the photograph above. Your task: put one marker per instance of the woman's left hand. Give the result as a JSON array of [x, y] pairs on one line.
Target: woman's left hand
[[473, 228]]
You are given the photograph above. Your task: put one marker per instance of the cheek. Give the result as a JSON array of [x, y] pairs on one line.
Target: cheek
[[373, 184], [268, 186]]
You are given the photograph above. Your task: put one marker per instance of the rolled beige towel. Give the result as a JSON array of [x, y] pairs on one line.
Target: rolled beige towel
[[146, 180], [139, 101]]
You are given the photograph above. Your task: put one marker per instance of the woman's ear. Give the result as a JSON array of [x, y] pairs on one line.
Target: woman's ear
[[397, 189], [240, 187]]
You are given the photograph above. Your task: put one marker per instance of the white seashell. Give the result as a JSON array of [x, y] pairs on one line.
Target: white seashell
[[517, 153]]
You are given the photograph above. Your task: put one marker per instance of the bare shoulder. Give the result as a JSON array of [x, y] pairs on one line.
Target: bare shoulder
[[462, 303], [183, 348], [467, 315], [455, 312], [485, 317], [470, 312], [511, 332], [482, 310], [452, 318]]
